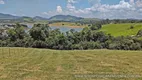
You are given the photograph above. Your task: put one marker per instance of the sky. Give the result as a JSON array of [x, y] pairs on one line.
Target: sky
[[112, 9]]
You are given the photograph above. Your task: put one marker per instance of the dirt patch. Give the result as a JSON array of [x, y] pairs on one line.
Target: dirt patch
[[3, 76], [59, 69], [1, 68]]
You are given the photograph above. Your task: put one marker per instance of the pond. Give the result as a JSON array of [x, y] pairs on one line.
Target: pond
[[65, 29], [62, 28]]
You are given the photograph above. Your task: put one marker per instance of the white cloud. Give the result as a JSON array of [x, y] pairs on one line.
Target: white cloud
[[45, 13], [52, 13], [59, 9], [72, 1], [2, 2], [70, 7], [124, 9]]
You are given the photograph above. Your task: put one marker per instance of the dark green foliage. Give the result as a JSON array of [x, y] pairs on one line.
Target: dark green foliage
[[41, 36], [17, 33], [131, 27], [139, 33], [39, 44], [19, 43], [96, 26], [39, 32], [28, 41]]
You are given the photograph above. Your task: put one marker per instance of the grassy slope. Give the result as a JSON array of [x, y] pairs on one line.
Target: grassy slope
[[122, 29], [38, 64]]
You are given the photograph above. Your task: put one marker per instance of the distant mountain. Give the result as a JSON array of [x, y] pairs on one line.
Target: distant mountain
[[25, 18], [37, 18], [65, 18], [7, 16]]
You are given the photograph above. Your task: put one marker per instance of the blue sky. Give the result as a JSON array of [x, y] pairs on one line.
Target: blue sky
[[82, 8]]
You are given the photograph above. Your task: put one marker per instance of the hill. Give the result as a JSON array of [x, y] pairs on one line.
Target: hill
[[65, 18], [41, 64], [122, 29], [7, 16], [25, 19], [38, 18]]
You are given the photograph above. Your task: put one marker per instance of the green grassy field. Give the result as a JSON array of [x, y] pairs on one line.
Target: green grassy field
[[42, 64], [122, 29]]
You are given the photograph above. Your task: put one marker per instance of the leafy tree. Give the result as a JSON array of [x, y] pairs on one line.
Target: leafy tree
[[39, 31], [17, 33], [12, 34]]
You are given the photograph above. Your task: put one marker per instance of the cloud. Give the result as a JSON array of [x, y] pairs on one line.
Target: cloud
[[59, 9], [70, 7], [52, 13], [124, 9], [2, 2], [72, 1], [131, 1], [139, 3], [105, 7]]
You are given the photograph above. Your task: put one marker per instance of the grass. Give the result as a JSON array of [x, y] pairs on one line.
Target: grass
[[122, 29], [69, 24], [42, 64]]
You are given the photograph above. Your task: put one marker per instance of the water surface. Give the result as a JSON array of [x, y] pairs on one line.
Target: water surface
[[62, 28]]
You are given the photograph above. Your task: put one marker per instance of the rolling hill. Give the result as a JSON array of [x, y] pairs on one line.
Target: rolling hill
[[38, 18], [122, 29], [65, 18], [7, 16]]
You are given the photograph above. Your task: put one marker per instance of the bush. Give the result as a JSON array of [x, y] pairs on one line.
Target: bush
[[39, 44], [135, 46], [19, 43], [139, 33], [131, 27]]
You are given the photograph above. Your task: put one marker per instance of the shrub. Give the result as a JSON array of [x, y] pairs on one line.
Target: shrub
[[39, 44], [139, 33], [131, 27]]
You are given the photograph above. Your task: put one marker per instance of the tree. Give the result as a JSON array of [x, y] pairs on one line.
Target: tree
[[17, 32], [139, 33], [39, 32], [12, 34]]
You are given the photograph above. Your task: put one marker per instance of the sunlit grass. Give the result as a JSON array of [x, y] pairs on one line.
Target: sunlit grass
[[42, 64], [122, 29]]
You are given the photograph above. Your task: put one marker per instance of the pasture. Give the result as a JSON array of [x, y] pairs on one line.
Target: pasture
[[122, 29], [45, 64]]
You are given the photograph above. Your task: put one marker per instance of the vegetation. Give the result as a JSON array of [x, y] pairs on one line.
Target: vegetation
[[123, 29], [40, 64], [42, 36], [68, 24]]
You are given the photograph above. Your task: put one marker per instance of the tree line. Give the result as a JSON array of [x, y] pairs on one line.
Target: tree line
[[42, 36]]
